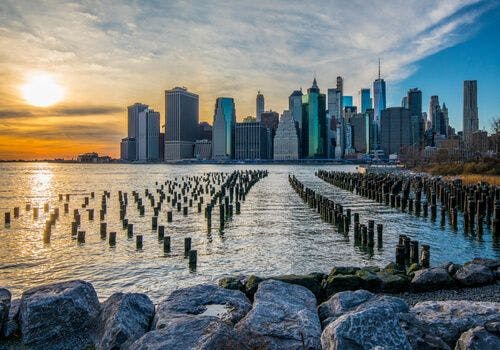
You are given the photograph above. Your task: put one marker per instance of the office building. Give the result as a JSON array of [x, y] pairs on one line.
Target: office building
[[314, 123], [127, 149], [148, 139], [286, 140], [379, 98], [404, 102], [251, 141], [445, 120], [365, 101], [181, 123], [259, 105], [295, 106], [362, 131], [470, 112], [204, 131], [203, 149], [133, 124], [223, 129], [347, 101], [335, 124], [415, 101], [435, 114], [394, 130], [161, 147]]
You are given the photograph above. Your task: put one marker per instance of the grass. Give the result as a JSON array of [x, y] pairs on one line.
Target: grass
[[474, 179]]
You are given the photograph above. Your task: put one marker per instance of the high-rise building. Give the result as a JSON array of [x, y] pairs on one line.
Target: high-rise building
[[251, 141], [445, 121], [362, 131], [470, 113], [127, 149], [148, 140], [259, 105], [417, 127], [340, 84], [204, 131], [394, 130], [365, 101], [286, 140], [347, 101], [379, 98], [314, 123], [335, 125], [295, 106], [415, 101], [203, 149], [270, 120], [133, 126], [223, 129], [181, 123], [435, 114], [404, 102]]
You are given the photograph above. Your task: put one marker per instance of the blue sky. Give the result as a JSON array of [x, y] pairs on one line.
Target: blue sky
[[442, 74]]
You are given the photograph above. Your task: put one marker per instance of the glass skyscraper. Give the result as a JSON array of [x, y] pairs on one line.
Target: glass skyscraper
[[223, 128], [365, 101], [347, 101], [415, 102], [314, 123]]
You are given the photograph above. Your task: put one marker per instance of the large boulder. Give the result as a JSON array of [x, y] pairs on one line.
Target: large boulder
[[4, 306], [474, 275], [124, 318], [478, 338], [367, 328], [344, 302], [203, 299], [369, 280], [419, 335], [311, 281], [283, 317], [189, 332], [344, 270], [448, 319], [393, 282], [59, 316], [231, 282], [492, 264], [433, 278], [339, 283], [251, 285], [11, 326]]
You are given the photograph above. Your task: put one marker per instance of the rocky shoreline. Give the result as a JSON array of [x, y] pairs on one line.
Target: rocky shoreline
[[446, 307]]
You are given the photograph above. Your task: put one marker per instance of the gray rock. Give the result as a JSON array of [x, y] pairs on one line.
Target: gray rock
[[124, 318], [393, 283], [11, 326], [59, 316], [369, 280], [431, 279], [448, 319], [231, 282], [478, 338], [344, 302], [339, 283], [419, 335], [366, 328], [493, 327], [203, 299], [311, 281], [492, 264], [474, 275], [189, 332], [283, 317], [4, 306]]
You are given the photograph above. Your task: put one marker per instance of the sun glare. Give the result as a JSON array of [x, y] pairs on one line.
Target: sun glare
[[42, 90]]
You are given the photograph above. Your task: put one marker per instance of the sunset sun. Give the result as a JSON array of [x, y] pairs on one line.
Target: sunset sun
[[42, 90]]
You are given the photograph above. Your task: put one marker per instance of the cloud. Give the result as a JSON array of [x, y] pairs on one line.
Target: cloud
[[61, 112]]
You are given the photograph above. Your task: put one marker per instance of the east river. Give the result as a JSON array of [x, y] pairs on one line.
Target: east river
[[276, 233]]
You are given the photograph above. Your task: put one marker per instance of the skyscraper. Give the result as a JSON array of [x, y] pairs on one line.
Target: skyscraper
[[223, 129], [295, 106], [286, 140], [335, 134], [365, 101], [379, 99], [133, 129], [394, 130], [446, 120], [314, 123], [470, 116], [259, 105], [251, 141], [347, 101], [404, 102], [415, 102], [181, 123], [148, 139]]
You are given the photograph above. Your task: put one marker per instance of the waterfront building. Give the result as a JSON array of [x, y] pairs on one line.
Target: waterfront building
[[204, 131], [295, 106], [415, 101], [445, 120], [127, 149], [181, 123], [394, 130], [148, 139], [362, 131], [286, 140], [161, 147], [470, 112], [365, 101], [379, 97], [314, 123], [259, 105], [133, 124], [435, 114], [251, 141], [349, 149], [223, 129], [203, 149], [416, 131], [270, 121], [335, 147]]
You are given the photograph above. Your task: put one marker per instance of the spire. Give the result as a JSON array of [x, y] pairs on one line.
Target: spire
[[315, 84], [379, 68]]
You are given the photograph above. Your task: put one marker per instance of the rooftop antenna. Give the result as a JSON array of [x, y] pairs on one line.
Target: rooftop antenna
[[379, 68]]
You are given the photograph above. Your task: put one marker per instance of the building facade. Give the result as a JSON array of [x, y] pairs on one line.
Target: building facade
[[181, 123], [470, 112], [286, 140], [251, 141], [394, 130], [365, 100], [127, 149], [415, 102], [203, 149], [223, 129], [148, 139], [259, 105], [314, 123], [133, 125]]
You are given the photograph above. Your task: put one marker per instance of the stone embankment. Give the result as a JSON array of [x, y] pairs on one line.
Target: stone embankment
[[350, 308]]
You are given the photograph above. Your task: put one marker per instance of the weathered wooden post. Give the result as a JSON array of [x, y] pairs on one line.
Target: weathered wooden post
[[161, 232], [187, 246], [166, 244], [112, 239], [138, 242], [425, 256], [193, 259], [7, 218]]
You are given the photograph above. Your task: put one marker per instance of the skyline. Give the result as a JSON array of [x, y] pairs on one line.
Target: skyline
[[214, 53]]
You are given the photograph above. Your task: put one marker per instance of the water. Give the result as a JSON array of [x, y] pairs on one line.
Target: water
[[276, 232]]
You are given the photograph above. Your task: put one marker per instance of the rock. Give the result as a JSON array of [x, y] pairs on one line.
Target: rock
[[497, 273], [11, 327], [311, 281], [233, 283], [369, 280], [419, 335], [205, 300], [283, 317], [367, 328], [339, 283], [393, 268], [343, 270], [412, 269], [4, 306], [251, 285], [393, 283], [478, 338], [474, 275], [493, 327], [453, 268], [492, 264], [430, 279], [448, 319], [344, 302], [189, 332], [59, 316], [124, 318]]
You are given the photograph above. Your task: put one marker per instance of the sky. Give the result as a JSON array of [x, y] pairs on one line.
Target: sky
[[107, 55]]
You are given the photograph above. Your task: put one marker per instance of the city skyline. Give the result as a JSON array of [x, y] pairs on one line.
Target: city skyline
[[97, 86]]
